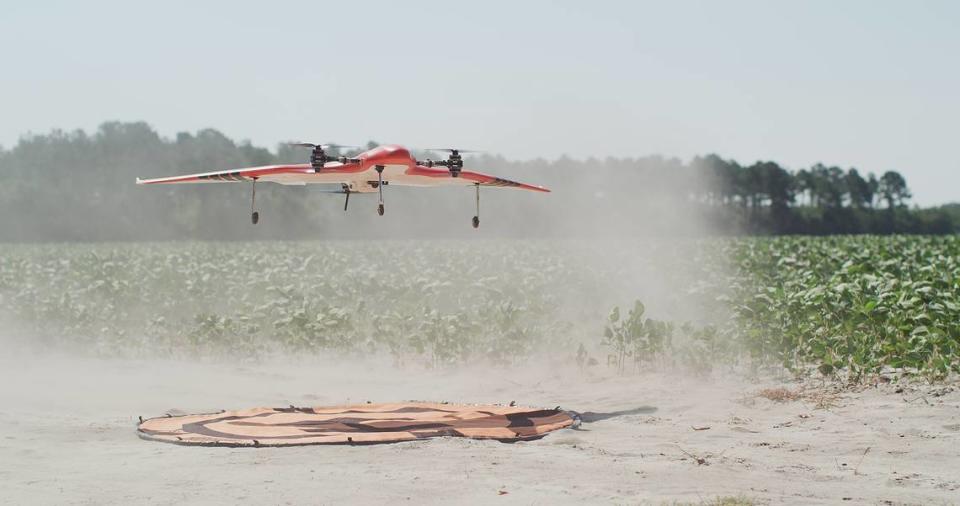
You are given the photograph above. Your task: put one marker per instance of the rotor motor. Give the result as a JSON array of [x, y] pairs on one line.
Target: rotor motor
[[318, 158], [318, 155], [454, 161]]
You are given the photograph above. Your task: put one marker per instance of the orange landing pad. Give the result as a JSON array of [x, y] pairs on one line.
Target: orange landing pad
[[359, 424]]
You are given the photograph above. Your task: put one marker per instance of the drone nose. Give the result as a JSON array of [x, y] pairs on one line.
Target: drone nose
[[390, 154]]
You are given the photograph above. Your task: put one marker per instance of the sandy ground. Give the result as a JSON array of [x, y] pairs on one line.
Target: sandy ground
[[69, 438]]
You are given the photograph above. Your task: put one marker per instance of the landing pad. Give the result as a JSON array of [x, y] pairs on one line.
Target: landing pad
[[356, 424]]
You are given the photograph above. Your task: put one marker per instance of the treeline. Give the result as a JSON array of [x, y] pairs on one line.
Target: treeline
[[78, 186], [815, 200]]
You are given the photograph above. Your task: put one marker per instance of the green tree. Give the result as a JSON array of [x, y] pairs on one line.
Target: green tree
[[858, 189], [873, 186], [835, 188], [894, 189]]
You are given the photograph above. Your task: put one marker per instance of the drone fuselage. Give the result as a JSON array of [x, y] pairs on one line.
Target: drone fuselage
[[360, 174]]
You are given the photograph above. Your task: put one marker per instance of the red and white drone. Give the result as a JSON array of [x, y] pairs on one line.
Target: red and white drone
[[367, 172]]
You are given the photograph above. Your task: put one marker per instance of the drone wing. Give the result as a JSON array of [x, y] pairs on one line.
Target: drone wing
[[297, 174], [430, 176]]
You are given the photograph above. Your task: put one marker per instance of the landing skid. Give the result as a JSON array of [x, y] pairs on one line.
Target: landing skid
[[254, 214], [476, 218]]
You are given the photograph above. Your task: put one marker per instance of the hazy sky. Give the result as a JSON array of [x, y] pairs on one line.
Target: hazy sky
[[870, 84]]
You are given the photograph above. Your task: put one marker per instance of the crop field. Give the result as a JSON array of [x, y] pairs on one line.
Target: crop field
[[847, 306], [857, 304]]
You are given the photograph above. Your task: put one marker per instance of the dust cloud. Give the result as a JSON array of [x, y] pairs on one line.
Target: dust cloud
[[82, 323], [71, 438]]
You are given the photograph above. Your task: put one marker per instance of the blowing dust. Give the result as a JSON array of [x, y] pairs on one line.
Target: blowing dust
[[98, 335], [667, 437]]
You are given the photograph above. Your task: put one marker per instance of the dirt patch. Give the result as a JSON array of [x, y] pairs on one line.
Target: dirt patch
[[70, 437], [779, 394]]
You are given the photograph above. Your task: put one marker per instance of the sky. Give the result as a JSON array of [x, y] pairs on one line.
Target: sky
[[854, 83]]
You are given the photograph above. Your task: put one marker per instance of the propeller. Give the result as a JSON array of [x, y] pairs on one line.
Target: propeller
[[318, 158], [455, 150], [454, 162], [330, 145], [345, 190]]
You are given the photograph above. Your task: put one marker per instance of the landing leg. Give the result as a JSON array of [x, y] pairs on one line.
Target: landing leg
[[476, 219], [346, 202], [379, 169], [254, 215]]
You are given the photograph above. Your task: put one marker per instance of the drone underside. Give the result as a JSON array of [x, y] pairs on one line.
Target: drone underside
[[367, 172]]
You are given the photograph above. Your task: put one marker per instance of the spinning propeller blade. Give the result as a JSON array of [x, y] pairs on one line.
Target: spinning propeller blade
[[322, 146], [455, 150]]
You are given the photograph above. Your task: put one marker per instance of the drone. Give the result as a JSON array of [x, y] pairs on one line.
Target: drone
[[367, 172]]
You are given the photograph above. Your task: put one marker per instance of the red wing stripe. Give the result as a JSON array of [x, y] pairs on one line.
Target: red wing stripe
[[475, 177], [486, 180], [240, 175]]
